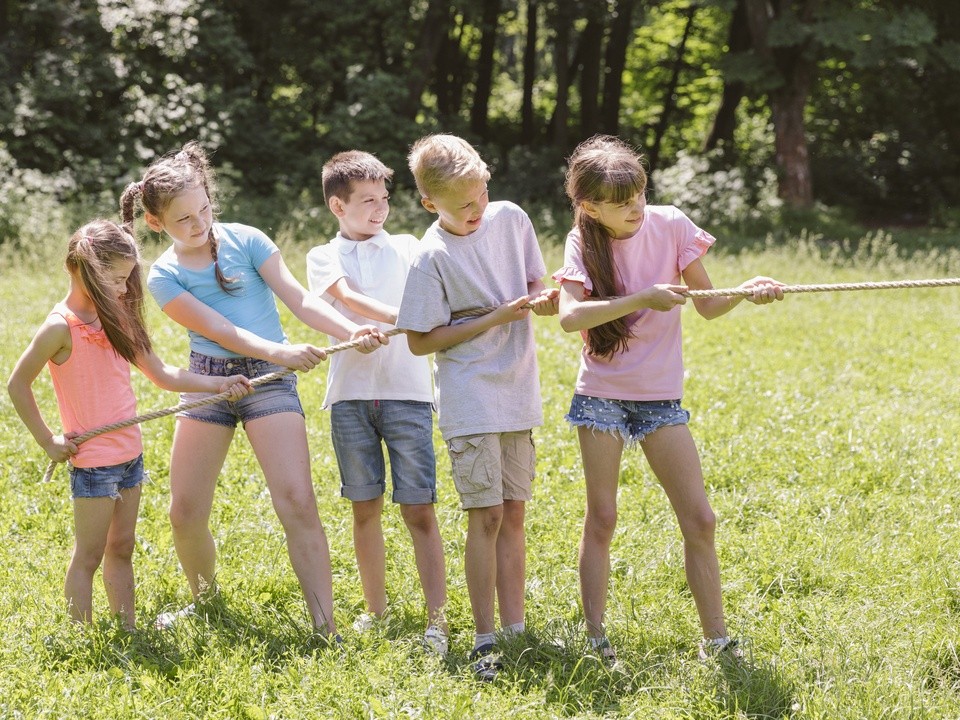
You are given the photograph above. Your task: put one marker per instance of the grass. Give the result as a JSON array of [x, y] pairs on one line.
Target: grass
[[827, 426]]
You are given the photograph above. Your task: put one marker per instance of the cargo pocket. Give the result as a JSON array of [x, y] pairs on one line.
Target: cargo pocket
[[473, 463]]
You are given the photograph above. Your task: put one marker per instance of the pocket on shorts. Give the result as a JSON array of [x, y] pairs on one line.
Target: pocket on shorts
[[474, 463]]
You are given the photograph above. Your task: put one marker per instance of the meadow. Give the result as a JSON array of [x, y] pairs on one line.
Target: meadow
[[827, 426]]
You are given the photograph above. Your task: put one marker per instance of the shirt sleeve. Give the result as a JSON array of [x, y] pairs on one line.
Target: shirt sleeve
[[573, 268], [424, 305], [260, 247], [693, 242], [163, 283], [533, 258], [323, 268]]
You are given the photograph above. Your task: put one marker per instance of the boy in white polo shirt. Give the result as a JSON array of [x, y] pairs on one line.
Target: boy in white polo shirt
[[384, 396]]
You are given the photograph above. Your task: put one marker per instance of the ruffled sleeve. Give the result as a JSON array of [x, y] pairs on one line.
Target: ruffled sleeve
[[695, 248], [573, 274]]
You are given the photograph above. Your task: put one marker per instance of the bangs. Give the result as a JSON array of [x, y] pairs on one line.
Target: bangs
[[619, 185]]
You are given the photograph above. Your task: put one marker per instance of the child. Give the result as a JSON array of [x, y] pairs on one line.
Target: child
[[88, 342], [386, 396], [218, 280], [477, 255], [620, 286]]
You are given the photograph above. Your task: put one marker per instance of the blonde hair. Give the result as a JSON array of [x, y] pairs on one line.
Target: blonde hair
[[438, 161], [603, 169], [166, 178], [346, 168], [91, 252]]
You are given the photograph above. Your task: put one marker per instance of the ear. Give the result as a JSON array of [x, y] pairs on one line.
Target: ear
[[153, 222], [428, 204], [337, 207], [590, 209]]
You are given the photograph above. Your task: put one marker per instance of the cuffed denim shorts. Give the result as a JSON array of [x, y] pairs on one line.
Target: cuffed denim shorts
[[632, 420], [107, 481], [358, 427], [276, 396]]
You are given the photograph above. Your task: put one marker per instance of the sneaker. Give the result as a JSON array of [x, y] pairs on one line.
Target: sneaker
[[166, 620], [365, 622], [606, 652], [486, 663], [435, 641], [722, 648]]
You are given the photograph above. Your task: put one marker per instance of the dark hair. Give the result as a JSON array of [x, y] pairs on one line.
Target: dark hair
[[166, 178], [344, 169], [603, 169], [90, 253]]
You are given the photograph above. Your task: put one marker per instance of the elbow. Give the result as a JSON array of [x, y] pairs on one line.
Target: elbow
[[568, 323]]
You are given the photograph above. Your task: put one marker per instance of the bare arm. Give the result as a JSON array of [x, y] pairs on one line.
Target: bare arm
[[361, 304], [765, 290], [168, 377], [445, 336], [577, 312], [545, 302], [52, 342]]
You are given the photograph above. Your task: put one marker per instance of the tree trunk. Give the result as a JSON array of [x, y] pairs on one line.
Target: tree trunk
[[725, 121], [669, 94], [433, 29], [787, 102], [621, 31], [527, 129], [561, 50], [591, 43], [484, 84]]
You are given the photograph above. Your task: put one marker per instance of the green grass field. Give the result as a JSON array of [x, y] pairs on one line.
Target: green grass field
[[828, 429]]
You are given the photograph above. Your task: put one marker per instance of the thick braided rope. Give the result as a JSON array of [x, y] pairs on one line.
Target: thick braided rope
[[732, 292], [201, 402]]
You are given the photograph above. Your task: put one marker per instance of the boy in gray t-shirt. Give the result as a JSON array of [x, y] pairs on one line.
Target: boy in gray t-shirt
[[480, 254]]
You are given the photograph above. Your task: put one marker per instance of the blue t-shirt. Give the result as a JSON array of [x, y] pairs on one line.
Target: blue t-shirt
[[251, 304]]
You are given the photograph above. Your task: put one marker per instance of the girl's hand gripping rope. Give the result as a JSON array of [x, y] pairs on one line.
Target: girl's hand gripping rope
[[663, 297], [237, 386], [510, 312], [546, 302], [302, 357], [61, 448], [765, 290], [370, 338]]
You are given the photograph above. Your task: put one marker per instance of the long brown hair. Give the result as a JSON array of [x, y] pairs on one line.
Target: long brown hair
[[603, 169], [91, 252], [169, 176]]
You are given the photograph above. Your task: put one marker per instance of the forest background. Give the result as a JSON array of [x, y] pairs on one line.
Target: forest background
[[748, 111]]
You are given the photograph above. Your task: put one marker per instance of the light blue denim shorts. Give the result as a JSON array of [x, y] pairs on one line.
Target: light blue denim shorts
[[360, 428], [632, 420], [277, 396], [106, 481]]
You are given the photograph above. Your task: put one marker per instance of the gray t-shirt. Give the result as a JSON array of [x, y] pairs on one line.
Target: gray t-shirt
[[490, 383]]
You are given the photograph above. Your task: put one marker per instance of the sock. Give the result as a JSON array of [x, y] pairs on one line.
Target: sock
[[481, 639], [515, 629]]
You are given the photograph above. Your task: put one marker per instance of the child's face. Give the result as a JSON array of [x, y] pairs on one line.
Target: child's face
[[460, 207], [363, 214], [115, 278], [622, 220], [187, 219]]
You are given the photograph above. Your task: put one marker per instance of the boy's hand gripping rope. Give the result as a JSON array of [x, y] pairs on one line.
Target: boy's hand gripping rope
[[208, 400]]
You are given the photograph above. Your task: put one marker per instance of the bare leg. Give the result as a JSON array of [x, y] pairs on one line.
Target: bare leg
[[672, 455], [199, 449], [280, 443], [118, 578], [480, 564], [91, 519], [601, 453], [371, 555], [511, 563], [421, 521]]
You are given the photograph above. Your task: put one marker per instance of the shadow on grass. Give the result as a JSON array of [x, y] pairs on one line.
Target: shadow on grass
[[757, 690]]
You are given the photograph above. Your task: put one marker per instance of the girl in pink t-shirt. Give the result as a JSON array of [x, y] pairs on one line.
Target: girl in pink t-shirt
[[624, 263], [88, 342]]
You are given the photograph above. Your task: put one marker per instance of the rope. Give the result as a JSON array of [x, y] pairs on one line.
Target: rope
[[201, 402], [727, 292]]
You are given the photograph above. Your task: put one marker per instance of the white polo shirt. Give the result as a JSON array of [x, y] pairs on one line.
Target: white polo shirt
[[378, 268]]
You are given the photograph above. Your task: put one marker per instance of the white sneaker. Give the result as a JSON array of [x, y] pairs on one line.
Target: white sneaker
[[722, 648], [365, 622], [435, 641], [167, 620]]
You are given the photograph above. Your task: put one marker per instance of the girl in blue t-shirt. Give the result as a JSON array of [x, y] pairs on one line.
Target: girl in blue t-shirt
[[218, 281]]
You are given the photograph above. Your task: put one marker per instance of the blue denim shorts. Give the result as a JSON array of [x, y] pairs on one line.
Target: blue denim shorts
[[632, 420], [358, 428], [107, 481], [276, 396]]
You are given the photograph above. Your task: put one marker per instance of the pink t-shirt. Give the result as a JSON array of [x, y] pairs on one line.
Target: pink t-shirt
[[93, 389], [652, 366]]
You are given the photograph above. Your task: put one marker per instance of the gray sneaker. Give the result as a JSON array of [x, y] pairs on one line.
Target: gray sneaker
[[486, 663]]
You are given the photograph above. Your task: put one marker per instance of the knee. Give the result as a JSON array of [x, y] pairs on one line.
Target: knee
[[488, 520], [184, 516], [700, 526], [121, 547], [366, 512], [419, 518], [601, 522]]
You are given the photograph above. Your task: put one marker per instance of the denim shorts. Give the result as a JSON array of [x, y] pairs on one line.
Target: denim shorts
[[358, 428], [276, 396], [632, 420], [107, 481], [493, 467]]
